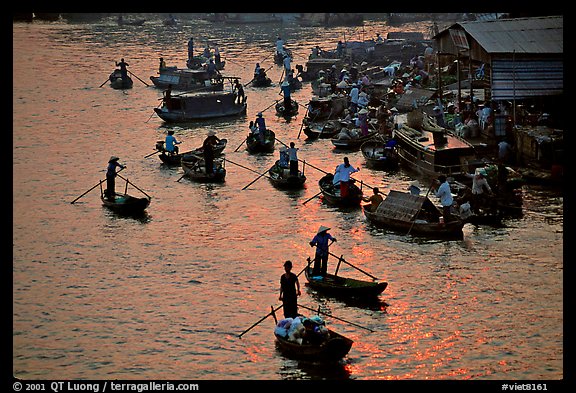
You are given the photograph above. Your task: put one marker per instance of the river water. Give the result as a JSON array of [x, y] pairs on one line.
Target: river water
[[165, 296]]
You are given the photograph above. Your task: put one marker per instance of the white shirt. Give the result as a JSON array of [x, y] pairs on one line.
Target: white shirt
[[342, 173], [445, 194]]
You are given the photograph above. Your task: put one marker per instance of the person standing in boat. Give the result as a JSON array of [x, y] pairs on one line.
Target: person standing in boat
[[123, 69], [168, 97], [170, 143], [293, 159], [162, 65], [342, 176], [280, 46], [445, 194], [285, 90], [289, 291], [321, 242], [111, 177], [239, 90], [217, 58], [191, 50], [261, 123], [208, 150]]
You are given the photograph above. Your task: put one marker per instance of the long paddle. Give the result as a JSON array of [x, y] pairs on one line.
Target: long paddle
[[308, 200], [134, 185], [104, 82], [136, 76], [263, 318], [100, 182], [355, 267], [332, 316], [254, 181], [302, 125], [151, 154], [239, 146]]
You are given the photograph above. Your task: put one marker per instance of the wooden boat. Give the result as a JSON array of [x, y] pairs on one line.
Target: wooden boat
[[174, 159], [195, 169], [414, 214], [186, 79], [326, 131], [330, 348], [325, 108], [261, 81], [334, 285], [431, 150], [254, 145], [353, 143], [116, 81], [279, 58], [378, 155], [331, 193], [280, 177], [198, 106], [281, 110], [125, 204]]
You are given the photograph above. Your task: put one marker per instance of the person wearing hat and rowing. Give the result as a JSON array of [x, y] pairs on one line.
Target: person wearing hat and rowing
[[261, 123], [285, 90], [321, 241], [111, 177], [208, 151]]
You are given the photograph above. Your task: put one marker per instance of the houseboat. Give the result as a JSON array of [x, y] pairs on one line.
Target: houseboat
[[200, 105]]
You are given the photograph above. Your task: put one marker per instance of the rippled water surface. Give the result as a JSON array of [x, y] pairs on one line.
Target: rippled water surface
[[100, 296]]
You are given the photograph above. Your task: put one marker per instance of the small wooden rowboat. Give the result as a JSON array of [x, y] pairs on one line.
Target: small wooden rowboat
[[331, 193], [125, 204], [117, 82], [174, 159], [195, 169], [280, 177], [334, 348], [329, 346], [337, 286], [379, 156], [353, 143], [254, 145]]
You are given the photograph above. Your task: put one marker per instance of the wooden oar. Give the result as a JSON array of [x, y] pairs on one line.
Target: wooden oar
[[99, 183], [332, 316], [321, 170], [239, 146], [263, 318], [136, 76], [302, 125], [254, 181], [340, 258], [151, 154], [241, 166], [308, 200], [134, 185], [104, 82]]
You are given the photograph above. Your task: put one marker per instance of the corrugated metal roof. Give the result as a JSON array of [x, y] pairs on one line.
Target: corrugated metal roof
[[519, 35]]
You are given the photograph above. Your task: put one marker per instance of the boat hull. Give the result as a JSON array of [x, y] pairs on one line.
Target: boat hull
[[335, 348], [337, 286], [332, 196], [126, 204], [200, 106]]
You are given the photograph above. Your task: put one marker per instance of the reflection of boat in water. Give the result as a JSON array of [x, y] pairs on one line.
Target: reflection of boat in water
[[200, 105]]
